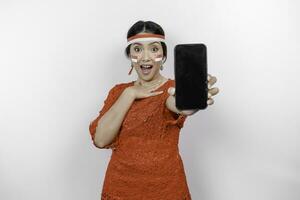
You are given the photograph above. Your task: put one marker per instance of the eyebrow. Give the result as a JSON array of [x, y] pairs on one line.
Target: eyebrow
[[153, 42], [142, 44]]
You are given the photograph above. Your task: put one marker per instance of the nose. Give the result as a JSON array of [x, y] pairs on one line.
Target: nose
[[145, 56]]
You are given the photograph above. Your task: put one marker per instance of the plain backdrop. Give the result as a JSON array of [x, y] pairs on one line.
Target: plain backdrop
[[59, 59]]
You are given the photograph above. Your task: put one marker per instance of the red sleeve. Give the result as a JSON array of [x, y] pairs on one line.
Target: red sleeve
[[108, 102], [178, 119]]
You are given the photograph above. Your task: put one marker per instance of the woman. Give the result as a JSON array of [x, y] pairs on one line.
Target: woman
[[140, 123]]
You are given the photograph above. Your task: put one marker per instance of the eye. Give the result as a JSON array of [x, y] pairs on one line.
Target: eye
[[137, 49], [154, 49]]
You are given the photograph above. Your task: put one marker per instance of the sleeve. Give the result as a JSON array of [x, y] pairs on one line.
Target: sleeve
[[108, 102], [177, 119]]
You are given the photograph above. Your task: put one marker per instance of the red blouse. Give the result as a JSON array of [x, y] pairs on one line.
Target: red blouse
[[145, 163]]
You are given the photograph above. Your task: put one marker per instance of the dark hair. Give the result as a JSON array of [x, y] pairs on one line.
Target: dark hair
[[146, 27]]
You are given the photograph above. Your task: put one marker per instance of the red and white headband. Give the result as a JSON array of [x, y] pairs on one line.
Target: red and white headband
[[145, 37]]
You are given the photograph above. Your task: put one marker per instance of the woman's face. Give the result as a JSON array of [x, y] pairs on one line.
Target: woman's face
[[146, 59]]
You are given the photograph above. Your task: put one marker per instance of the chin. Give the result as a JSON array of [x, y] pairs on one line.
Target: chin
[[147, 77]]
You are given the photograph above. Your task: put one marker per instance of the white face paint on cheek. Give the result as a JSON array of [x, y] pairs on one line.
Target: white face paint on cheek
[[134, 59], [158, 58]]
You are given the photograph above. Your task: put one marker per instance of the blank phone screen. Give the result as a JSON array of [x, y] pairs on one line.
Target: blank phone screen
[[190, 62]]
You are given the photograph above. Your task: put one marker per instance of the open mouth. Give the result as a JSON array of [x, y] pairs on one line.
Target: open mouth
[[146, 69]]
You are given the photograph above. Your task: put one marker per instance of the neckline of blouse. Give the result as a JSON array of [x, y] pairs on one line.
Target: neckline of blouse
[[165, 83]]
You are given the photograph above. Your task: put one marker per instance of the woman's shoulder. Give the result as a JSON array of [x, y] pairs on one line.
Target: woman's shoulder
[[172, 82], [121, 86]]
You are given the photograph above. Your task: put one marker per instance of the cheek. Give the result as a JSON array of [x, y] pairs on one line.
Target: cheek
[[134, 59], [158, 58]]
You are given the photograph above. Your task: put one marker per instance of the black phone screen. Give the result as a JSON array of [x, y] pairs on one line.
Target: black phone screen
[[190, 61]]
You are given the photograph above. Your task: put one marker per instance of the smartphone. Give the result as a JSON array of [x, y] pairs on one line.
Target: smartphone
[[190, 65]]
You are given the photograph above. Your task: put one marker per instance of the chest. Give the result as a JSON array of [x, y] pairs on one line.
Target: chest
[[146, 112]]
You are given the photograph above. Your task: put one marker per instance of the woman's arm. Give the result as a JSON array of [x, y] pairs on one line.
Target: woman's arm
[[110, 123]]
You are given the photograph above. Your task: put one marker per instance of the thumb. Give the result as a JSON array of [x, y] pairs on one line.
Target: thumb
[[171, 91]]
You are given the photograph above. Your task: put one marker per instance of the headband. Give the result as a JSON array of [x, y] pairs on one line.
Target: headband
[[145, 37]]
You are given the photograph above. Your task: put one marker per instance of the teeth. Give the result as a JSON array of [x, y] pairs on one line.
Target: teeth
[[146, 66]]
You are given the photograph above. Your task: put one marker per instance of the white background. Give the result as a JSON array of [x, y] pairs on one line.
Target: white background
[[59, 58]]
